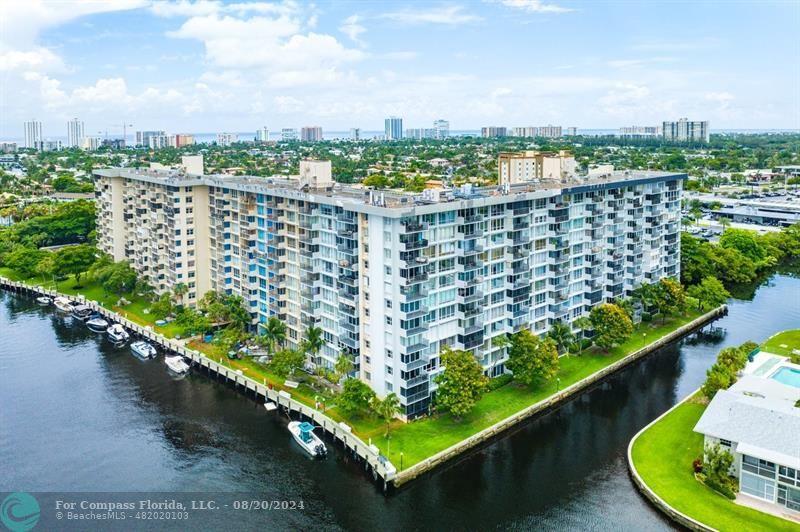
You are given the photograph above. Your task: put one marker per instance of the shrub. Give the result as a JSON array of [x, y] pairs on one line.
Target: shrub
[[697, 465], [499, 382], [647, 317]]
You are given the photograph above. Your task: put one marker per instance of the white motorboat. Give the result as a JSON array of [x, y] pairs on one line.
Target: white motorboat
[[82, 312], [303, 434], [63, 304], [44, 300], [176, 364], [97, 324], [143, 350], [117, 334]]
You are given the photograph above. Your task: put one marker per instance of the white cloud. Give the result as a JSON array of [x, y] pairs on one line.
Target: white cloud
[[401, 56], [534, 6], [40, 59], [184, 8], [722, 99], [450, 15], [352, 28]]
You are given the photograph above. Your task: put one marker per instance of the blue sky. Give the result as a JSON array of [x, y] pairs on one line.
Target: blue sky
[[211, 66]]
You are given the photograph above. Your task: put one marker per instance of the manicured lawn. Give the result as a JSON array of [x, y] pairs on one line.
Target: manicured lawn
[[423, 438], [789, 338], [663, 457]]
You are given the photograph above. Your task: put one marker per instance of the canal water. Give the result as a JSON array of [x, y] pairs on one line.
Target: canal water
[[77, 414]]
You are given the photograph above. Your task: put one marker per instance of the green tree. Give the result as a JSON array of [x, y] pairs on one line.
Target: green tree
[[274, 331], [670, 297], [162, 307], [561, 334], [344, 366], [611, 325], [180, 290], [386, 409], [74, 260], [24, 260], [531, 359], [190, 322], [228, 339], [313, 341], [355, 397], [120, 279], [286, 361], [709, 293], [461, 383], [744, 241], [583, 324]]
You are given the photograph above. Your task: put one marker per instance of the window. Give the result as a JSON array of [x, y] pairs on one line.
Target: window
[[388, 320], [389, 370], [759, 467], [725, 443]]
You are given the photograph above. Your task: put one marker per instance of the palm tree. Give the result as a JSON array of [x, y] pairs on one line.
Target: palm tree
[[625, 304], [344, 365], [562, 335], [313, 341], [583, 324], [274, 333], [386, 409], [645, 295], [179, 290]]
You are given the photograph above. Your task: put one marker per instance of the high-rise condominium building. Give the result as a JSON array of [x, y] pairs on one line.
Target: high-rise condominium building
[[639, 132], [442, 128], [262, 135], [74, 133], [550, 131], [393, 128], [420, 133], [143, 137], [685, 130], [391, 278], [493, 131], [156, 142], [226, 139], [311, 134], [90, 143], [288, 133], [355, 133], [180, 140], [572, 131], [33, 134], [528, 131]]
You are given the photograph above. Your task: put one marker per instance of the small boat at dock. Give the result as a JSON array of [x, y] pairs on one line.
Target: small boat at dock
[[303, 433], [82, 312], [44, 300], [176, 364], [117, 334], [97, 324], [63, 304], [143, 350]]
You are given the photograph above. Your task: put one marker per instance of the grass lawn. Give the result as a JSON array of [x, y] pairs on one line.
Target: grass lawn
[[663, 457], [425, 437], [789, 338]]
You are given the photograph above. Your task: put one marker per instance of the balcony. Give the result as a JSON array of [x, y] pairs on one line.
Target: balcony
[[469, 219], [421, 311], [470, 295], [419, 379], [345, 233], [522, 211], [471, 250], [413, 293], [413, 244], [414, 227], [414, 278]]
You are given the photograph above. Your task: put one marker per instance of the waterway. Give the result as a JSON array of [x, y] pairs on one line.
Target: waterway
[[77, 414]]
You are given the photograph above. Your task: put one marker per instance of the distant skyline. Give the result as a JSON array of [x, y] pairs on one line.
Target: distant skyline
[[216, 66]]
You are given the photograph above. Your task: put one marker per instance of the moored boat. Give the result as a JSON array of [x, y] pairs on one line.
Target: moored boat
[[82, 312], [44, 300], [176, 364], [63, 304], [143, 350], [303, 434], [97, 324], [117, 333]]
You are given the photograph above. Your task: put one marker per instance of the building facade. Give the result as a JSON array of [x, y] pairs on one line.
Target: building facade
[[74, 133], [33, 134], [493, 131], [393, 128], [442, 128], [262, 135], [311, 134], [392, 278], [226, 139], [288, 133], [143, 137], [685, 130]]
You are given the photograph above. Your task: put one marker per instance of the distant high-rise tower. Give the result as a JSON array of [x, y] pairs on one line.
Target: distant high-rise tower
[[685, 130], [226, 139], [74, 133], [441, 129], [394, 128], [355, 133], [311, 134], [262, 135], [33, 134]]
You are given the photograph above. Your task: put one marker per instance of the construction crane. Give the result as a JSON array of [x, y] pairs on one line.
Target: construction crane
[[124, 132]]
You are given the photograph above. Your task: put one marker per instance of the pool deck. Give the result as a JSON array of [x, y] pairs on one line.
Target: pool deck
[[766, 364]]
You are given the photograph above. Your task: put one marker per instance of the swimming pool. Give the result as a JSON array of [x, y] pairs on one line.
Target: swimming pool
[[788, 376]]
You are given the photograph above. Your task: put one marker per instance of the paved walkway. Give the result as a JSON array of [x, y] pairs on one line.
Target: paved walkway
[[768, 508]]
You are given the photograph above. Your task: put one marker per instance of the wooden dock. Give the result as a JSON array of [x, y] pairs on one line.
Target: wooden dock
[[377, 465]]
